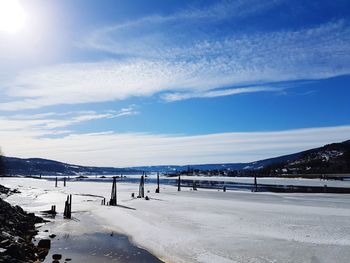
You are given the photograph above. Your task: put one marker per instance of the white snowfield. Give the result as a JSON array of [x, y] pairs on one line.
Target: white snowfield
[[204, 225]]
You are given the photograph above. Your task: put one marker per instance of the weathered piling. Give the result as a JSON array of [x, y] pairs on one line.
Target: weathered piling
[[68, 208], [179, 184], [64, 181], [56, 182], [194, 185], [65, 208], [142, 187], [224, 189], [158, 189], [255, 184], [113, 200]]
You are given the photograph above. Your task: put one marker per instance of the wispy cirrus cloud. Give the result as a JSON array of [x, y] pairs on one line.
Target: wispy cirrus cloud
[[53, 123], [163, 55], [159, 34], [218, 93]]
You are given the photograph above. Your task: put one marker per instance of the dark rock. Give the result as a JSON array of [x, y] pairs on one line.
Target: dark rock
[[44, 243], [42, 252], [52, 236], [17, 229], [57, 256], [15, 251], [4, 242]]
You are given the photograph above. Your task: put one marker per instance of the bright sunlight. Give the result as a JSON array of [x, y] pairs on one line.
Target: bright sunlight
[[12, 16]]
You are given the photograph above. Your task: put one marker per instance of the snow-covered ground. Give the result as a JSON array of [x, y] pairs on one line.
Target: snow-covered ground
[[205, 225]]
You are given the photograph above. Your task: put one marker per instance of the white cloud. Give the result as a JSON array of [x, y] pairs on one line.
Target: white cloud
[[128, 149], [314, 53], [151, 35], [51, 123], [218, 93], [178, 56]]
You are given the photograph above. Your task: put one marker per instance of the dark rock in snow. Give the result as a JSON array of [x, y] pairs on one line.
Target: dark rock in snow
[[17, 229], [44, 243], [57, 256]]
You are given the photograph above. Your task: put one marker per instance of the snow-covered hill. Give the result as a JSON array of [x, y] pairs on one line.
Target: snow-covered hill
[[329, 159], [37, 166], [333, 158]]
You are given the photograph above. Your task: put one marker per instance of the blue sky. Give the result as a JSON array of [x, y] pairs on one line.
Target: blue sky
[[122, 83]]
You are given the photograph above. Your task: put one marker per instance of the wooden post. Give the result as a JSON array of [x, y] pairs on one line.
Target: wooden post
[[224, 189], [158, 189], [56, 182], [68, 207], [113, 200], [255, 184], [194, 186], [64, 181], [142, 187], [179, 184], [65, 208]]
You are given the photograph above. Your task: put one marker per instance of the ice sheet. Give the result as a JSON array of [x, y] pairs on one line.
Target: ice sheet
[[206, 225]]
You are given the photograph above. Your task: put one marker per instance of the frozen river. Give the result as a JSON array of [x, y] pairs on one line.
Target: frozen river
[[203, 225]]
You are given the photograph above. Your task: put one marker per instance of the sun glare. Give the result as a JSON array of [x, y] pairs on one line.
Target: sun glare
[[12, 16]]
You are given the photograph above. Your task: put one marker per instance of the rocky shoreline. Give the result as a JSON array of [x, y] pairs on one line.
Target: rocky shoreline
[[17, 230]]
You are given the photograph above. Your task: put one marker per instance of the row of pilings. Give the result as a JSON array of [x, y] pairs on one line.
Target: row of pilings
[[113, 200], [56, 181]]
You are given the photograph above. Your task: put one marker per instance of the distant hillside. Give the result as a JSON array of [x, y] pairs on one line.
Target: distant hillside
[[223, 166], [332, 158], [329, 159], [37, 166]]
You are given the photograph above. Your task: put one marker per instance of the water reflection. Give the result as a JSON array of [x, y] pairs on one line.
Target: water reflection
[[98, 247]]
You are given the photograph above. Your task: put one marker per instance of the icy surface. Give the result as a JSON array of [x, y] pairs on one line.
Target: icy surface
[[204, 225], [272, 181]]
